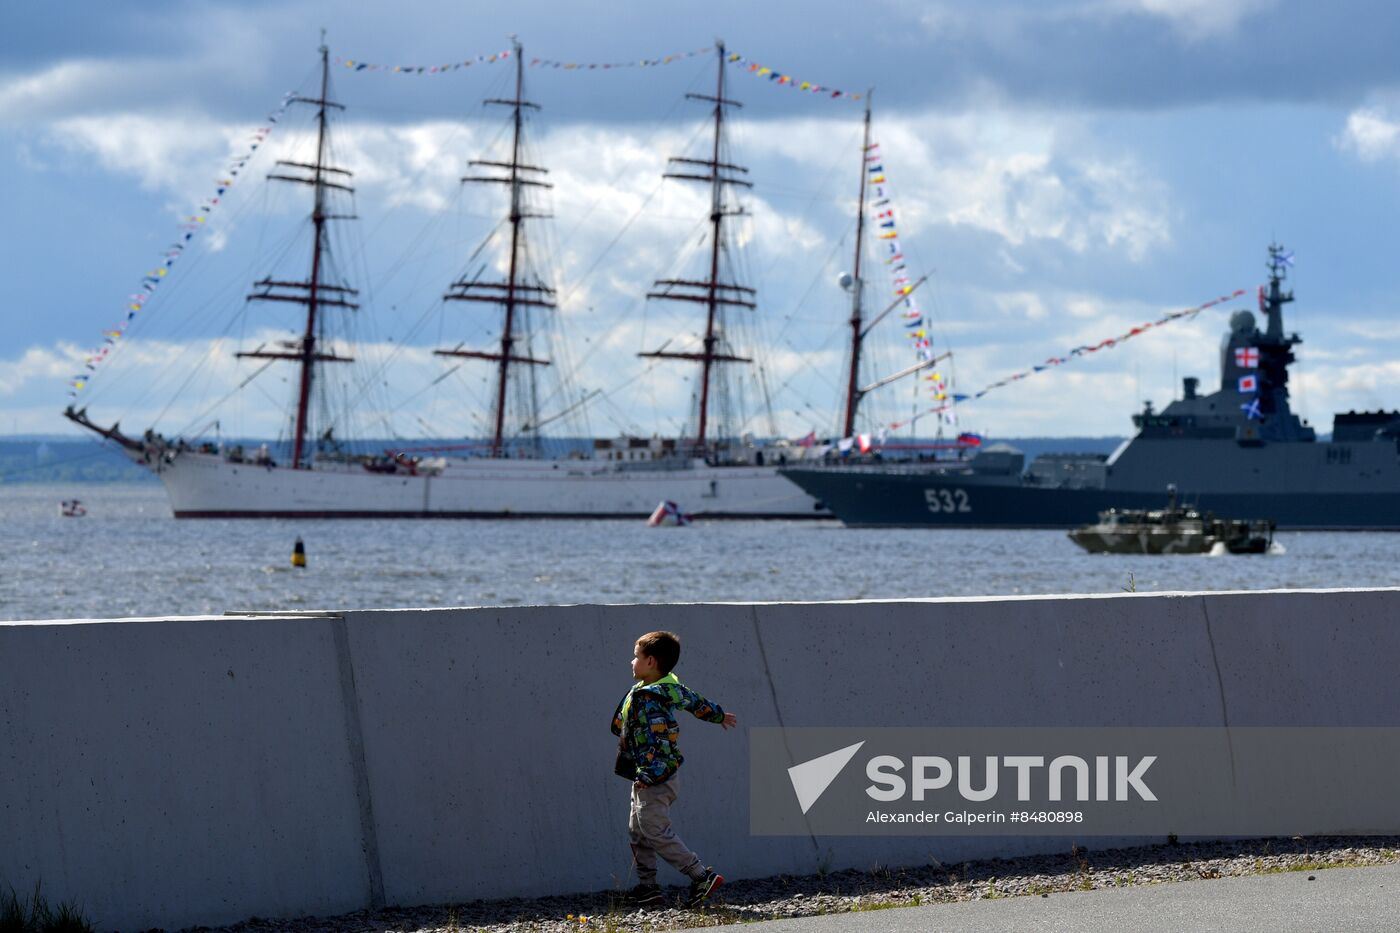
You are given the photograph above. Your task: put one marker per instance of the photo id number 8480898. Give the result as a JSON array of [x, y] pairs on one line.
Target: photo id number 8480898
[[947, 500]]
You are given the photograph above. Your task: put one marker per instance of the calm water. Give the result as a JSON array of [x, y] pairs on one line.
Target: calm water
[[129, 557]]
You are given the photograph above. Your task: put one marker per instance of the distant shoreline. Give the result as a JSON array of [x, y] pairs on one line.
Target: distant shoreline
[[39, 459]]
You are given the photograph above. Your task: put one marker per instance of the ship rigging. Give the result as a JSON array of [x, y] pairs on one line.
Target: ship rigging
[[713, 468], [520, 292]]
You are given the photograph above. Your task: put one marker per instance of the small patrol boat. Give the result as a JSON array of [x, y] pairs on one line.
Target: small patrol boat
[[1176, 529]]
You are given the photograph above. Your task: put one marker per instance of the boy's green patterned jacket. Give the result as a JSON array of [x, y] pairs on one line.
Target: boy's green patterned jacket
[[648, 727]]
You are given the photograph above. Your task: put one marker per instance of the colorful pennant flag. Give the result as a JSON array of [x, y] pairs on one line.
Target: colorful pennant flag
[[1084, 350], [136, 301], [358, 65], [915, 322], [771, 75], [607, 66], [780, 79]]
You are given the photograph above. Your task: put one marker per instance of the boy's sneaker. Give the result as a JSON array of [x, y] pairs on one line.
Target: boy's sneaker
[[645, 895], [702, 888]]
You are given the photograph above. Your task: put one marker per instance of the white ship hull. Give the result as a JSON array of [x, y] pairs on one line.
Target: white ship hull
[[203, 485]]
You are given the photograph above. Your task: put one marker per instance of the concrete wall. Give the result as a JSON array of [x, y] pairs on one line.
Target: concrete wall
[[165, 772], [202, 770]]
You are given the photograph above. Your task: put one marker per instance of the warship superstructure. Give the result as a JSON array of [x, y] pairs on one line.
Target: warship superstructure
[[1240, 450]]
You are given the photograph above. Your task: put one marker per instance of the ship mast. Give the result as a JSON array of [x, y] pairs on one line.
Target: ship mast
[[513, 294], [710, 292], [853, 392], [1277, 297], [1275, 347], [313, 293]]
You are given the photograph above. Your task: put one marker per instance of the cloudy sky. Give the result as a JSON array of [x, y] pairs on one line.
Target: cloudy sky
[[1062, 170]]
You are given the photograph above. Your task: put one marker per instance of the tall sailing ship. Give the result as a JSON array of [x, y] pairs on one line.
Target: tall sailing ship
[[710, 473]]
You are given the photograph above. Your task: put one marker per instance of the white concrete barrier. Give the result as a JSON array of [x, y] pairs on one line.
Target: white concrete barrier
[[173, 772], [202, 770]]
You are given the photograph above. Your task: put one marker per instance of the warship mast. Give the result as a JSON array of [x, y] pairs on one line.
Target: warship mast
[[711, 292], [853, 392], [1277, 297], [1274, 348], [514, 295], [313, 293]]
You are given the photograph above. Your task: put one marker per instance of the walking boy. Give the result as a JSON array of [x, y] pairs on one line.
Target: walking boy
[[647, 756]]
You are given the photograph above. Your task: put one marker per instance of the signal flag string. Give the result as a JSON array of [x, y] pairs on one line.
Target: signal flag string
[[1074, 354], [775, 77], [191, 225]]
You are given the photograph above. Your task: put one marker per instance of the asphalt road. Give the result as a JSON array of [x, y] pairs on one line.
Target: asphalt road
[[1350, 899]]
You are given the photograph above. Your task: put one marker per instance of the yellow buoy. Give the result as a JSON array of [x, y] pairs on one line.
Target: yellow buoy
[[298, 554]]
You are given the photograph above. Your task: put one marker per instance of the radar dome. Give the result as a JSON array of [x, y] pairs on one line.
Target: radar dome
[[1242, 322], [845, 280]]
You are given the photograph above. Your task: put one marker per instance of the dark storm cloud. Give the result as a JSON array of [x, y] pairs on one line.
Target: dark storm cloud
[[226, 58], [1106, 56]]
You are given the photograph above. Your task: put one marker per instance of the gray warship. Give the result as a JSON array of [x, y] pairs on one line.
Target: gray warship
[[1237, 451]]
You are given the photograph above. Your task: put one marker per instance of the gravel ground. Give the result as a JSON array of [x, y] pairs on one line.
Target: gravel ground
[[838, 892]]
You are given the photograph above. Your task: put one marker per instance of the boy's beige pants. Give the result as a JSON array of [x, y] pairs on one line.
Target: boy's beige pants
[[651, 834]]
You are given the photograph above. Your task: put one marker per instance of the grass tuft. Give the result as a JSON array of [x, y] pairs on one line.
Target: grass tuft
[[36, 916], [1309, 865]]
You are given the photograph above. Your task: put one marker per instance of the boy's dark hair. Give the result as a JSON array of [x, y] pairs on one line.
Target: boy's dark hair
[[664, 647]]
